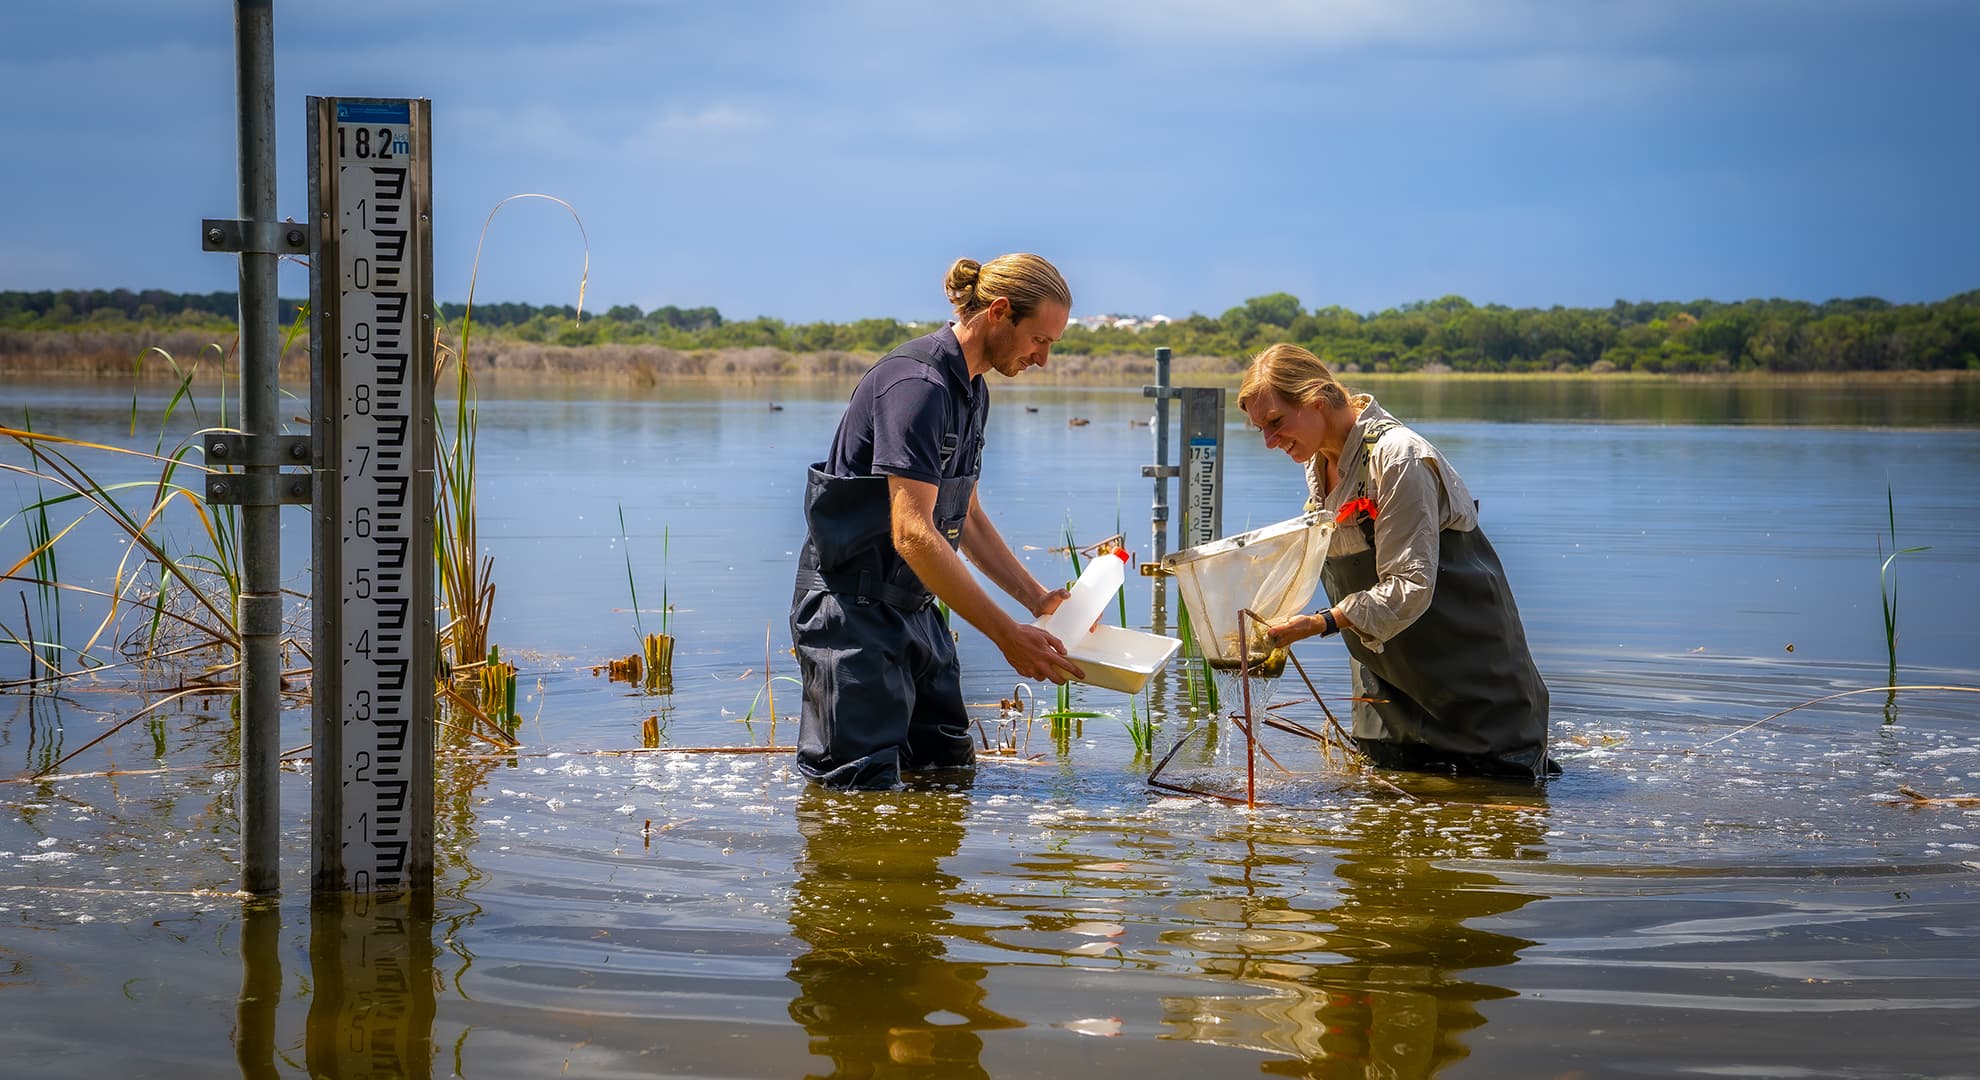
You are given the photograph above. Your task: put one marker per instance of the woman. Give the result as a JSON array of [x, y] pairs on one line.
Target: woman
[[1442, 676]]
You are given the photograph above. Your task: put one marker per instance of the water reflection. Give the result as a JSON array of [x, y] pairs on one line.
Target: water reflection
[[372, 1005], [372, 1013], [261, 990], [1379, 984], [877, 992]]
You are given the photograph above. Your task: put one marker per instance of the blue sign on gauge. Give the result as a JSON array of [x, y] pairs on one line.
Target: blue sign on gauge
[[374, 112]]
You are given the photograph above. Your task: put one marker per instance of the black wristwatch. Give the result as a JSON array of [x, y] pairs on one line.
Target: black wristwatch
[[1328, 625]]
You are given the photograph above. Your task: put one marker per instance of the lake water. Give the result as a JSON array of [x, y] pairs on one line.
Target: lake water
[[1697, 895]]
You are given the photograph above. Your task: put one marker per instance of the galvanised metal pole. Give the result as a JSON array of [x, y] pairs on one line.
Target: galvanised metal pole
[[1161, 506], [260, 611]]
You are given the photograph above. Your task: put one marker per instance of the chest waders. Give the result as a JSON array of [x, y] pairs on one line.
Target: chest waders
[[1458, 688], [882, 690]]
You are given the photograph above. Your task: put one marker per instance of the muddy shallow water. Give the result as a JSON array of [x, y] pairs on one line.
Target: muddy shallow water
[[1689, 898]]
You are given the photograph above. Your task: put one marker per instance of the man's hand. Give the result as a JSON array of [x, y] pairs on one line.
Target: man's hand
[[1035, 654]]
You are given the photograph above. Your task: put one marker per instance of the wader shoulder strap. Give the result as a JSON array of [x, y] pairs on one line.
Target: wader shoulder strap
[[1364, 469]]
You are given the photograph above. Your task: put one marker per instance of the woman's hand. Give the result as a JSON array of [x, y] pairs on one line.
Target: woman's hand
[[1049, 602], [1294, 629]]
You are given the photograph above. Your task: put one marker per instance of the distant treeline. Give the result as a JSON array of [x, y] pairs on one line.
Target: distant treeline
[[1450, 333]]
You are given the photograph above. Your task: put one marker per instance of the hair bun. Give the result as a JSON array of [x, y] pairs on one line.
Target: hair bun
[[960, 285]]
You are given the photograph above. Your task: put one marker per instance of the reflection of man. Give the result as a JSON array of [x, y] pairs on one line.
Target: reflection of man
[[886, 513], [876, 991]]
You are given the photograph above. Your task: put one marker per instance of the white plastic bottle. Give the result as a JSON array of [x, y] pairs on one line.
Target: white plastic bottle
[[1095, 589]]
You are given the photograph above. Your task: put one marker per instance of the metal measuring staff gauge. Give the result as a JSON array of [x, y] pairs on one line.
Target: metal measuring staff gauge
[[371, 384]]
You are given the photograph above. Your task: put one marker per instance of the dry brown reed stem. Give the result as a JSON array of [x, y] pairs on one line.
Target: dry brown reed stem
[[119, 726], [1914, 797], [1830, 697], [100, 669], [100, 891]]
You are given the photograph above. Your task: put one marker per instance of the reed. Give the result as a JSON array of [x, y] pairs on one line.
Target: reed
[[466, 578], [1140, 729], [1063, 706], [766, 695], [467, 586], [498, 692], [1887, 581], [47, 598]]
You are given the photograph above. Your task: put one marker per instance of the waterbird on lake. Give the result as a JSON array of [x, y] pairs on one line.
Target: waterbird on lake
[[774, 407], [1078, 421], [1031, 408]]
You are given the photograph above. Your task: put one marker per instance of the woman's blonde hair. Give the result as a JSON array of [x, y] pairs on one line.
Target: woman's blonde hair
[[1025, 280], [1296, 375]]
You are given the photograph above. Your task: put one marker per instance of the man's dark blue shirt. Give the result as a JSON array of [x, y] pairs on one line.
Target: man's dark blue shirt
[[902, 410]]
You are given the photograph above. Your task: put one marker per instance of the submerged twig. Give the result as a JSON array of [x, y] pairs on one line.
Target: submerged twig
[[1829, 697]]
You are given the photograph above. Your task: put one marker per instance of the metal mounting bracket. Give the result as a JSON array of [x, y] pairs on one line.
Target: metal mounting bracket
[[254, 237], [258, 489], [233, 448]]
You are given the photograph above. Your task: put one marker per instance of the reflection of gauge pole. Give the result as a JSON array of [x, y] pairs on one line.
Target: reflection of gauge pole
[[371, 371]]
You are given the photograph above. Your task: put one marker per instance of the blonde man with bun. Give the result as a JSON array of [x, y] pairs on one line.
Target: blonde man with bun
[[1442, 676], [887, 512]]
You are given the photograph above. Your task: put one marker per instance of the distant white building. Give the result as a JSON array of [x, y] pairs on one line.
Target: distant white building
[[1135, 323]]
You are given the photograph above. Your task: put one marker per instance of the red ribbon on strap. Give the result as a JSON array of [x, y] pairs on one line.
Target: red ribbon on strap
[[1363, 505]]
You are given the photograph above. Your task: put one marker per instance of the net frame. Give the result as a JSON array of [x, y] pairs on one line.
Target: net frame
[[1271, 572]]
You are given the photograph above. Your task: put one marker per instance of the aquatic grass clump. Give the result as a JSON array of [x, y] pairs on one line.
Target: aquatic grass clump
[[188, 593], [656, 650], [1140, 729]]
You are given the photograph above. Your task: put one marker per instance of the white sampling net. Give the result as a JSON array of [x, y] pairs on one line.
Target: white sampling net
[[1271, 572]]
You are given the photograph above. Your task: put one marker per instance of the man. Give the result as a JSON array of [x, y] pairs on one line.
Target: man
[[887, 511]]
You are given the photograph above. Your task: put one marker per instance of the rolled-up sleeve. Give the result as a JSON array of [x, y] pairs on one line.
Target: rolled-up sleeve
[[1408, 524]]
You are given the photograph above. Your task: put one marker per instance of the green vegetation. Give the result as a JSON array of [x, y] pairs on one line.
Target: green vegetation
[[1449, 333], [1887, 581]]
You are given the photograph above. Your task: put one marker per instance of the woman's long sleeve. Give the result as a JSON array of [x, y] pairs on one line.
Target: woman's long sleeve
[[1409, 521]]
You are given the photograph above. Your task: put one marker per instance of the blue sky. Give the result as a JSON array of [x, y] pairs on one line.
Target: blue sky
[[827, 160]]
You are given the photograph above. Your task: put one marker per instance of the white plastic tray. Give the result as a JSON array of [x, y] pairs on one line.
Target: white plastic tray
[[1117, 658]]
